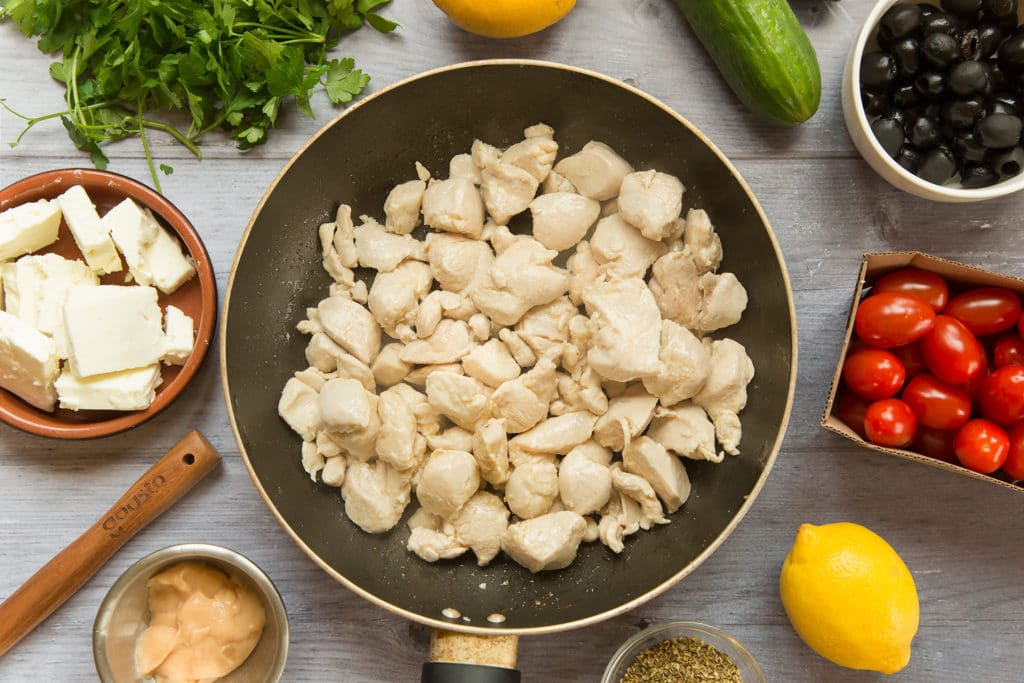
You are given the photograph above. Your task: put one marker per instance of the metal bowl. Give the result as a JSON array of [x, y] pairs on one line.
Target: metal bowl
[[124, 613]]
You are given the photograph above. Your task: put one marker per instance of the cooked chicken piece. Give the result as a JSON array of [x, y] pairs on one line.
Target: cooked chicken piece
[[545, 328], [507, 190], [322, 353], [724, 301], [581, 394], [700, 242], [351, 326], [326, 445], [500, 237], [397, 438], [354, 289], [334, 471], [481, 524], [449, 342], [448, 480], [518, 458], [311, 325], [431, 546], [561, 219], [331, 259], [312, 460], [375, 495], [313, 378], [395, 295], [490, 448], [382, 250], [418, 376], [651, 201], [422, 172], [556, 434], [641, 491], [479, 327], [402, 207], [596, 170], [521, 352], [531, 489], [664, 472], [593, 532], [627, 417], [613, 389], [462, 166], [539, 130], [725, 393], [523, 401], [300, 408], [522, 277], [345, 405], [350, 367], [421, 519], [675, 285], [621, 250], [454, 205], [556, 182], [593, 451], [452, 439], [683, 368], [441, 304], [535, 155], [458, 262], [584, 270], [685, 430], [620, 518], [461, 399], [428, 420], [484, 155], [389, 368], [584, 484], [626, 328], [491, 363], [361, 444], [545, 543]]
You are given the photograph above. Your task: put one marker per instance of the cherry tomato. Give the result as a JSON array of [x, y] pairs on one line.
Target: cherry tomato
[[873, 373], [1020, 327], [973, 386], [928, 287], [935, 443], [1008, 350], [986, 310], [951, 352], [1001, 398], [890, 422], [937, 404], [850, 409], [1014, 465], [910, 356], [889, 319], [982, 446]]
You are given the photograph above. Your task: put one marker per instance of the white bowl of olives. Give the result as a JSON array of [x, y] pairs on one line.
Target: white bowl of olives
[[933, 97]]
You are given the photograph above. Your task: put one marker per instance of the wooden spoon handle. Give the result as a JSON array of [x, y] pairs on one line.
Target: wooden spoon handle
[[159, 488]]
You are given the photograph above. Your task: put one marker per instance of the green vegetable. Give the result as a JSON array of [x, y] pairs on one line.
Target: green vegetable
[[763, 53], [228, 64]]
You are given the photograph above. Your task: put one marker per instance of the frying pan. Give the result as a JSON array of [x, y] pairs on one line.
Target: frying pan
[[277, 273]]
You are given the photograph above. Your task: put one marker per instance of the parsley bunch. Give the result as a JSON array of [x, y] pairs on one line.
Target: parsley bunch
[[227, 64]]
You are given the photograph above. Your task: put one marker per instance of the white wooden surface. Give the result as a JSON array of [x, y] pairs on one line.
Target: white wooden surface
[[961, 538]]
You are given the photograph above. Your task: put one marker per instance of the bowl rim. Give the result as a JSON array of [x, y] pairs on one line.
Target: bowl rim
[[205, 327], [622, 608], [163, 557], [852, 92]]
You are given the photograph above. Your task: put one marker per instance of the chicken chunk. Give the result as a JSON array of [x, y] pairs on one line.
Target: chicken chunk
[[596, 171], [454, 205], [651, 202], [360, 443], [431, 546], [507, 190], [620, 249], [452, 439], [620, 518], [561, 219], [535, 155], [448, 344], [397, 441], [351, 326], [441, 304], [545, 543], [484, 155], [641, 491], [521, 352], [312, 459], [457, 262], [402, 207], [723, 301], [395, 295], [664, 472], [626, 328], [447, 481], [300, 408], [375, 495], [684, 429], [584, 484], [382, 250], [700, 242], [556, 434], [627, 417], [322, 353], [675, 285], [462, 166], [522, 277], [428, 420], [461, 399], [556, 182], [490, 448], [523, 401], [724, 394], [345, 405], [418, 376], [683, 367], [389, 368], [545, 328], [584, 271], [581, 391], [491, 363], [481, 524]]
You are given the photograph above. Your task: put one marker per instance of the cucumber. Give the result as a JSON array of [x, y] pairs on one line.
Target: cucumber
[[763, 53]]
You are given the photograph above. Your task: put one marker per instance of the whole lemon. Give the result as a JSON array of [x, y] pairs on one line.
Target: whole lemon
[[504, 18], [850, 597]]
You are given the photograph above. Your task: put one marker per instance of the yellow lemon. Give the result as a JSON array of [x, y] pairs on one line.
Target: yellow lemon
[[850, 597], [504, 18]]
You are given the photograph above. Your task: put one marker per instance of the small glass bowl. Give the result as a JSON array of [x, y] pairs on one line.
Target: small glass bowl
[[750, 672]]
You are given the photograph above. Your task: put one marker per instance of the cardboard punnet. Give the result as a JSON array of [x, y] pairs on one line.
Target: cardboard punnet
[[876, 265]]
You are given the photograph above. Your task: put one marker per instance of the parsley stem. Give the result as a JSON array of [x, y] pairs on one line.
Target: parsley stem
[[33, 120], [173, 132], [145, 147]]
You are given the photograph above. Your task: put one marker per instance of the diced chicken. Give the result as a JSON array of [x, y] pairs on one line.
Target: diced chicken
[[582, 393], [389, 368], [531, 489], [350, 367], [521, 352], [422, 172], [700, 242], [395, 295], [664, 472], [334, 471], [523, 401], [593, 532], [449, 342], [361, 443], [452, 439], [484, 155], [724, 394], [621, 250], [585, 484], [421, 519], [397, 438], [535, 155], [545, 543], [507, 190], [332, 261], [300, 408], [462, 166], [675, 285], [522, 277], [723, 303], [490, 448], [479, 327], [627, 417], [432, 309], [313, 378], [481, 524], [382, 250], [461, 399], [354, 289], [375, 495], [556, 434], [312, 460], [561, 219], [457, 262], [351, 326], [322, 353], [546, 327], [326, 445], [596, 170], [556, 182], [641, 491], [626, 328], [418, 377], [431, 546], [651, 201], [620, 518], [683, 367], [454, 205], [685, 430], [311, 324], [584, 270], [539, 130], [428, 420], [491, 363], [345, 405], [402, 207], [448, 480]]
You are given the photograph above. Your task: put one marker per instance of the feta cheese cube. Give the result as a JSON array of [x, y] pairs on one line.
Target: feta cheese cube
[[111, 328], [154, 256], [91, 236], [28, 227], [178, 332], [133, 389], [28, 362]]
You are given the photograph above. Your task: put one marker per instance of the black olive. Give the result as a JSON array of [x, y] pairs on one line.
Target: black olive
[[967, 9], [877, 70], [997, 107], [1000, 9], [962, 113], [909, 158], [875, 103], [889, 134], [939, 23], [932, 110], [989, 38], [1008, 163], [931, 84], [924, 134], [1011, 53], [905, 96], [1008, 100], [940, 50], [901, 20], [968, 78], [999, 131], [996, 76], [974, 176], [908, 59], [967, 147], [897, 115], [927, 8], [937, 166]]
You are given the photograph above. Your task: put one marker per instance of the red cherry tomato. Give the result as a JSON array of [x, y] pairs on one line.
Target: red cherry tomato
[[951, 352], [928, 287], [986, 310], [973, 386], [935, 443], [982, 446], [889, 319], [1001, 398], [850, 409], [1008, 350], [1020, 327], [873, 373], [910, 356], [936, 404], [890, 422], [1014, 465]]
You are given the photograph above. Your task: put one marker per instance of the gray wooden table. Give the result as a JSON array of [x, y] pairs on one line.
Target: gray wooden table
[[960, 537]]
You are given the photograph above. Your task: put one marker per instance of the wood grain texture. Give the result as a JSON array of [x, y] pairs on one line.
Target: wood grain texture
[[959, 537]]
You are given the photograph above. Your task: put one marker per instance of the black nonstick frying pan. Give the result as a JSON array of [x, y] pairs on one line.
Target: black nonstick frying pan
[[277, 273]]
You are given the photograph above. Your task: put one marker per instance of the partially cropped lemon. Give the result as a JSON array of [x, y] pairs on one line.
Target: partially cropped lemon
[[850, 597], [504, 18]]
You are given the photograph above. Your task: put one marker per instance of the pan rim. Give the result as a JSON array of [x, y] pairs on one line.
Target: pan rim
[[549, 628]]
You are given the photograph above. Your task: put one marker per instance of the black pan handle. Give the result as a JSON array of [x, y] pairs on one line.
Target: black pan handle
[[449, 672]]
